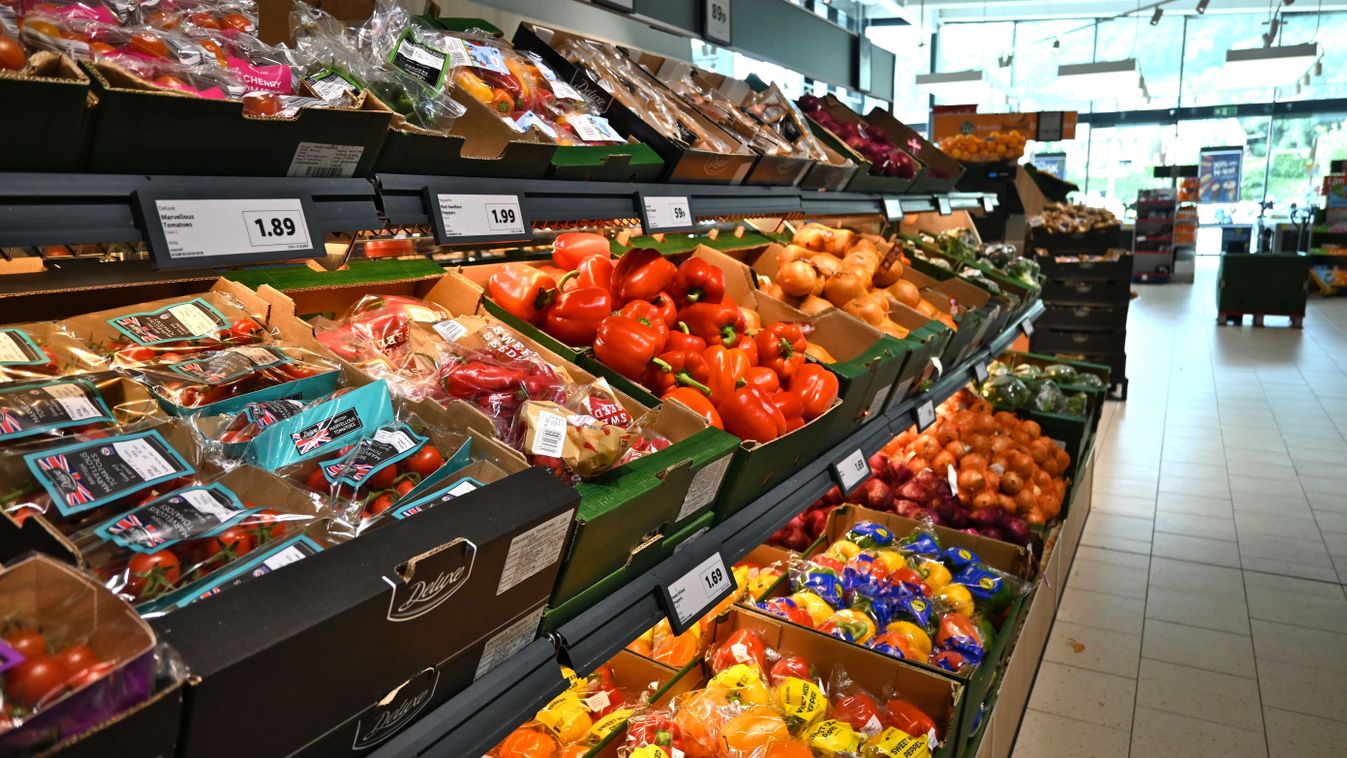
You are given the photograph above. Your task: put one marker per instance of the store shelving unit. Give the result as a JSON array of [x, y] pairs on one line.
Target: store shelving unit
[[1157, 210]]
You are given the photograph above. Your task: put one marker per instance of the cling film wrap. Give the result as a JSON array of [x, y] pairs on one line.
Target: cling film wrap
[[717, 107], [229, 379], [172, 546], [379, 335], [590, 710], [165, 331], [48, 410], [401, 46], [87, 477], [773, 110], [43, 351], [326, 426]]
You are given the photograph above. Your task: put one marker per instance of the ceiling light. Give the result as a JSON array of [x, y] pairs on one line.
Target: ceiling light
[[1108, 80], [958, 86], [1157, 15], [1202, 6], [1268, 66]]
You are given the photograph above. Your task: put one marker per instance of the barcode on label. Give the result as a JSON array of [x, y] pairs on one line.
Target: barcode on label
[[549, 438]]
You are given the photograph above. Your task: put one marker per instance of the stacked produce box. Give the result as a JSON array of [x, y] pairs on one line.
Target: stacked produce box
[[1153, 246]]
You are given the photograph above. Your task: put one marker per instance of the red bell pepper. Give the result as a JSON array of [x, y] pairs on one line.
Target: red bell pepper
[[816, 387], [682, 339], [570, 248], [790, 407], [781, 347], [750, 415], [673, 368], [749, 347], [595, 271], [728, 367], [697, 402], [565, 279], [664, 305], [742, 646], [522, 290], [698, 281], [764, 379], [717, 323], [626, 345], [641, 274], [902, 714], [647, 314], [576, 316]]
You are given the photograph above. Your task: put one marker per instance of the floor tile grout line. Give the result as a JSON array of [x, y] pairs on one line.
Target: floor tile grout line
[[1073, 718], [1145, 657]]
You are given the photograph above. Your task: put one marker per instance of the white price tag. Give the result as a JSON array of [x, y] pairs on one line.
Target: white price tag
[[893, 209], [690, 596], [718, 22], [476, 217], [980, 371], [988, 203], [953, 477], [209, 228], [851, 471], [939, 366], [667, 214], [942, 205], [1027, 327], [925, 415]]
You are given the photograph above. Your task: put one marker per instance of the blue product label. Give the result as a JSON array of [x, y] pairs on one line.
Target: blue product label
[[922, 544], [457, 490], [182, 322], [257, 563], [959, 557], [486, 57], [373, 454], [826, 585], [982, 583], [33, 408], [229, 365], [870, 534], [188, 514], [85, 475], [323, 428], [18, 349], [877, 644]]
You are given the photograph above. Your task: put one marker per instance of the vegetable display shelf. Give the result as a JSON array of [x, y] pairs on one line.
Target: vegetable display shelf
[[484, 713]]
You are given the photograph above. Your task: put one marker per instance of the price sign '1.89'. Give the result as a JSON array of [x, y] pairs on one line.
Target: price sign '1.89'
[[199, 233]]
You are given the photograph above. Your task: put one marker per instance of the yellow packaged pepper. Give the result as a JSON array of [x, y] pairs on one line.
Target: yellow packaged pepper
[[895, 743], [832, 737], [957, 598], [608, 724], [742, 683], [566, 717], [800, 702]]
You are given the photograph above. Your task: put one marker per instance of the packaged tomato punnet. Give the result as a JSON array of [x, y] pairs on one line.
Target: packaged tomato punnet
[[234, 376], [41, 412]]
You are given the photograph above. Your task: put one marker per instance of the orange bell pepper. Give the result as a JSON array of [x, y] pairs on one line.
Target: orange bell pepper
[[697, 402], [522, 290], [817, 388]]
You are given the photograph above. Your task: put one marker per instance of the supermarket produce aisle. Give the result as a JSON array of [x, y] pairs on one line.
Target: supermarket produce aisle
[[1205, 614]]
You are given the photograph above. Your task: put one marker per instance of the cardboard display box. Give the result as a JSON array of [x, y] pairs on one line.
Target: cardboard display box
[[55, 100], [637, 674], [681, 163], [624, 512], [143, 129], [480, 144]]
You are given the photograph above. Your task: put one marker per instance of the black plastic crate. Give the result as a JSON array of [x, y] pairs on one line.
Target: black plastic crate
[[1087, 341], [1096, 269], [1087, 291], [1097, 241], [1083, 317]]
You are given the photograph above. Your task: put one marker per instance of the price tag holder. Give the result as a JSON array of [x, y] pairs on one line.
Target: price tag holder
[[893, 209], [942, 205], [717, 26], [459, 217], [925, 415], [980, 371], [851, 471], [666, 213], [187, 227], [689, 597], [1027, 327], [988, 203]]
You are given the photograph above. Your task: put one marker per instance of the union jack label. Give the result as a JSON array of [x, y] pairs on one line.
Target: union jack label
[[312, 438], [86, 475]]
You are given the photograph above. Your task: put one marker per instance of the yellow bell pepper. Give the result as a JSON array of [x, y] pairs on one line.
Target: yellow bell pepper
[[648, 751], [937, 576], [843, 550], [861, 626], [743, 683], [800, 702], [921, 641], [957, 598], [832, 737], [895, 743], [817, 608], [566, 717]]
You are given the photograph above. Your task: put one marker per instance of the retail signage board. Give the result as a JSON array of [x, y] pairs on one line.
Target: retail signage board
[[1218, 174]]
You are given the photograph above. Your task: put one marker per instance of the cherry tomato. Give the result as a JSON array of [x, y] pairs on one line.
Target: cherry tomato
[[31, 681], [424, 462], [91, 674], [136, 353], [152, 574], [12, 56], [317, 482], [237, 21], [171, 82], [163, 20], [42, 27], [23, 514], [204, 21], [244, 327], [379, 505], [220, 58], [149, 44], [232, 543], [28, 642], [77, 658], [403, 486], [266, 525], [261, 104], [99, 49], [383, 478]]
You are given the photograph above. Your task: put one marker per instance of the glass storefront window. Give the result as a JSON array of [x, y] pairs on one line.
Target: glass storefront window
[[1122, 162], [1034, 69], [910, 105], [1158, 51], [1209, 37]]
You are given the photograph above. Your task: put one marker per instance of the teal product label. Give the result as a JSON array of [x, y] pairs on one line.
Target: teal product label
[[323, 428], [311, 387], [183, 322], [255, 564], [456, 490], [85, 475], [33, 408], [188, 514], [264, 414], [18, 349], [373, 454], [229, 365]]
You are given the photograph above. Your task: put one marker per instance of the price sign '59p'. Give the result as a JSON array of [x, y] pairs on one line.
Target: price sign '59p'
[[194, 232]]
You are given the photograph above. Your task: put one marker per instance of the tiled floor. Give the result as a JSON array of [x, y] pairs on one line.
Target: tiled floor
[[1206, 614]]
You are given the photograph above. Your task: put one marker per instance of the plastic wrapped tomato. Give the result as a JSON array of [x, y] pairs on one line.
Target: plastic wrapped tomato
[[167, 331], [234, 376], [44, 350], [39, 412]]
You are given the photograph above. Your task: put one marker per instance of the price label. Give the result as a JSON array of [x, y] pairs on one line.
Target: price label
[[1027, 327], [980, 371], [718, 21], [893, 209], [690, 596], [938, 365], [942, 205], [925, 415], [988, 203], [851, 471], [666, 213], [195, 232], [479, 218]]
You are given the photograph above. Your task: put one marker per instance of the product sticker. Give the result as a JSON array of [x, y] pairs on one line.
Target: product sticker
[[421, 61], [529, 118], [534, 550], [877, 402], [549, 438], [922, 544], [603, 407], [191, 320], [266, 413], [9, 657], [188, 514], [373, 454], [315, 437], [451, 330], [228, 365], [593, 128], [459, 489], [88, 474], [257, 564], [323, 428], [18, 349], [705, 484], [508, 641], [275, 78], [486, 57], [331, 85], [28, 409], [325, 160], [981, 582]]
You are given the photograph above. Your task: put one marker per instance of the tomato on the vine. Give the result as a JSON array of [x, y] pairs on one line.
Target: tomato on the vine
[[403, 486], [379, 504], [136, 353], [317, 482], [77, 658], [425, 461], [11, 53], [266, 525], [383, 478], [31, 681], [232, 543], [152, 574], [244, 327], [27, 642]]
